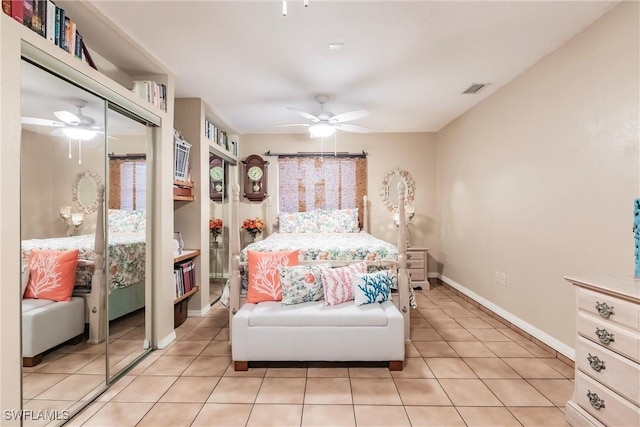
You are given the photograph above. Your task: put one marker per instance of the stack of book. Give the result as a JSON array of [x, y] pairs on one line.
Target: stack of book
[[51, 22], [217, 136], [153, 92], [185, 275]]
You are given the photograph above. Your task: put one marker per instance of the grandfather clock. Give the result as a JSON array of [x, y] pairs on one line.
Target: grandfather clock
[[255, 178]]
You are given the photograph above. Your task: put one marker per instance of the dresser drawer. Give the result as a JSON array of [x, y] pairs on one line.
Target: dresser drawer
[[615, 371], [417, 274], [417, 255], [415, 263], [619, 339], [609, 308], [616, 411]]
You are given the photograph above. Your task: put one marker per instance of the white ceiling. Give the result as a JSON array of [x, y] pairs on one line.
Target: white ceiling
[[407, 62]]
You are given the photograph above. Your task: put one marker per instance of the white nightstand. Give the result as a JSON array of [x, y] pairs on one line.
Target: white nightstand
[[417, 266]]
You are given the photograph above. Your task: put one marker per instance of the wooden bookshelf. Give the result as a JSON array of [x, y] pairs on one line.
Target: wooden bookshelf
[[195, 289], [183, 198], [186, 254], [183, 183]]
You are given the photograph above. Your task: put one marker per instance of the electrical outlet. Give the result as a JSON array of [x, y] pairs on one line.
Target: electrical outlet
[[501, 279]]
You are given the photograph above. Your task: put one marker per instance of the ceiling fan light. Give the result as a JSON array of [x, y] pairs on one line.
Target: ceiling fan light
[[321, 130], [78, 133]]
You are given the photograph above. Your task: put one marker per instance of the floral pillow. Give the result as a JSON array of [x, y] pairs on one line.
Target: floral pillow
[[338, 221], [371, 287], [299, 222], [302, 283], [51, 274], [121, 221], [264, 277], [337, 283]]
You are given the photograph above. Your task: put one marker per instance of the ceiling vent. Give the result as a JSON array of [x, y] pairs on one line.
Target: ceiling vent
[[475, 88]]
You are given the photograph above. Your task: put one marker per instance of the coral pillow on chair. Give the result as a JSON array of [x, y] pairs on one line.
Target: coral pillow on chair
[[264, 276], [52, 274], [337, 282]]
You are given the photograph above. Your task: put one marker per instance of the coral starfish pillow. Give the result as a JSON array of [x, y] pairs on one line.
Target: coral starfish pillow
[[264, 274], [52, 274]]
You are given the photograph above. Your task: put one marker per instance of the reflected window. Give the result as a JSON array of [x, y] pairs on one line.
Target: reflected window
[[128, 185]]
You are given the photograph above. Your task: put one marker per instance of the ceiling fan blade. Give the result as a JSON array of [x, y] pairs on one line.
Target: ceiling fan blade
[[67, 117], [295, 124], [348, 116], [351, 128], [304, 114], [40, 122]]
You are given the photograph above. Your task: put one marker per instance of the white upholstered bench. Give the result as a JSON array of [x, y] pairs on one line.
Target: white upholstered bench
[[46, 324], [311, 331]]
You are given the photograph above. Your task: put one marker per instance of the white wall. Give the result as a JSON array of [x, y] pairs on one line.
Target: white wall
[[414, 152], [538, 180]]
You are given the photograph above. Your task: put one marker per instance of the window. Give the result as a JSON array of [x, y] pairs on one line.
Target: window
[[127, 182], [308, 183]]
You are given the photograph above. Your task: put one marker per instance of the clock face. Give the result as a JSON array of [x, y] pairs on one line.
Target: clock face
[[254, 173], [216, 173]]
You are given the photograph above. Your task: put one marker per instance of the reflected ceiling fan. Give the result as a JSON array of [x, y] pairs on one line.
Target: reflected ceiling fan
[[325, 123], [72, 125]]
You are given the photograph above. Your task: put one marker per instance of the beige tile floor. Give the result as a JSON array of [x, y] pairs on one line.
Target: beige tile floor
[[463, 368]]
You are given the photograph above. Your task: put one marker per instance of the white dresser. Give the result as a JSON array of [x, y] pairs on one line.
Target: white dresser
[[607, 383], [417, 266]]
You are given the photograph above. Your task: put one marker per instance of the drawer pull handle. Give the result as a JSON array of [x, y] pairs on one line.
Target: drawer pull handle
[[604, 310], [595, 401], [596, 363], [604, 336]]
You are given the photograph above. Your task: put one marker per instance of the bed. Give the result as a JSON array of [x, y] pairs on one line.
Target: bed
[[126, 258], [334, 246]]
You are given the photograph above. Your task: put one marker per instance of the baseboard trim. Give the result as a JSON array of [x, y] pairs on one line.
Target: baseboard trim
[[199, 313], [556, 345], [167, 340]]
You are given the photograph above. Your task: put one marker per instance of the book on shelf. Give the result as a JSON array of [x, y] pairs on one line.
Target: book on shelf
[[184, 274], [153, 92], [27, 13], [49, 21]]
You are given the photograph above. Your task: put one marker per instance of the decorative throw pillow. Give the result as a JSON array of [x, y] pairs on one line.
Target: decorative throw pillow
[[25, 277], [299, 222], [302, 283], [52, 274], [371, 287], [337, 282], [264, 277], [338, 221]]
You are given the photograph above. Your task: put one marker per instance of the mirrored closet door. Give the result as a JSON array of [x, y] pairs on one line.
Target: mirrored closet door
[[85, 185], [218, 225]]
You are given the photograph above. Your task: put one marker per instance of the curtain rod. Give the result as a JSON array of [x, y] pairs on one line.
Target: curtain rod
[[318, 154], [127, 156]]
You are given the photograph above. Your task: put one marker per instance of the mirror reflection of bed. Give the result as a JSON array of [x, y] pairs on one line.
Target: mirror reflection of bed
[[66, 344]]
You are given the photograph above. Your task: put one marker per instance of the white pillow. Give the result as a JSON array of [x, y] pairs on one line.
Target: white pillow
[[371, 287], [25, 277]]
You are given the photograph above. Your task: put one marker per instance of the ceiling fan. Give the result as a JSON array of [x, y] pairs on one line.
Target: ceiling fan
[[325, 123], [72, 125]]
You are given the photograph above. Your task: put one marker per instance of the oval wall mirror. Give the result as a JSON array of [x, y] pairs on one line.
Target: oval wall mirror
[[85, 191], [389, 191]]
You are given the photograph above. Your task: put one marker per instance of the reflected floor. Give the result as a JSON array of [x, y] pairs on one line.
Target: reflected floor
[[215, 289], [463, 368], [70, 374]]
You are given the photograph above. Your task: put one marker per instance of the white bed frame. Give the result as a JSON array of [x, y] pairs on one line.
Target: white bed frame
[[402, 299], [96, 300]]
